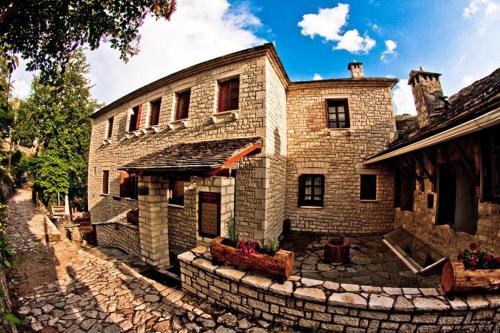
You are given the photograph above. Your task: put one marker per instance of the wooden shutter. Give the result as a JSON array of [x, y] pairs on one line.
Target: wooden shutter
[[155, 113], [234, 93], [223, 96], [138, 120], [124, 184], [182, 109], [110, 127], [105, 181]]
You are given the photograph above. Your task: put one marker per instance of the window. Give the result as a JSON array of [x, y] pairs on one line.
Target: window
[[176, 189], [128, 185], [105, 182], [229, 94], [490, 161], [135, 118], [311, 190], [109, 129], [338, 113], [182, 108], [368, 187], [154, 116], [404, 189]]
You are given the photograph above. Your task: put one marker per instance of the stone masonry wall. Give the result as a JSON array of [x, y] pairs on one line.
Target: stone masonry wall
[[119, 235], [336, 307], [338, 154]]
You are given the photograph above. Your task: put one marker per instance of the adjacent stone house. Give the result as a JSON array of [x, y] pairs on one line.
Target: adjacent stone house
[[234, 138]]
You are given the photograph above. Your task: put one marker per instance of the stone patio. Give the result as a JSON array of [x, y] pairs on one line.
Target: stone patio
[[372, 262]]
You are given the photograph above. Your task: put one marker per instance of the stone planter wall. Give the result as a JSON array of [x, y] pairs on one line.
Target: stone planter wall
[[336, 307], [120, 235]]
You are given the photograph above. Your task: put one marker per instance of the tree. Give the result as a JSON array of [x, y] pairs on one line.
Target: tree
[[57, 117], [5, 107], [46, 32]]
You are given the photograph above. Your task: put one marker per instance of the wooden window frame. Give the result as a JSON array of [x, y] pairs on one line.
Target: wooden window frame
[[128, 185], [105, 182], [182, 109], [135, 118], [365, 176], [335, 102], [302, 202], [154, 114], [171, 200], [109, 128], [231, 100]]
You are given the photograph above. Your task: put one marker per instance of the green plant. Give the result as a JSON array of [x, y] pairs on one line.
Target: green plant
[[475, 258], [269, 246], [231, 233]]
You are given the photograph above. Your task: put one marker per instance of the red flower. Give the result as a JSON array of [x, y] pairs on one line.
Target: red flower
[[497, 260], [488, 257], [473, 263], [473, 246]]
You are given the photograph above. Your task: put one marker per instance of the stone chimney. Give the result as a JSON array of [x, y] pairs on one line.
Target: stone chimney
[[356, 69], [428, 95]]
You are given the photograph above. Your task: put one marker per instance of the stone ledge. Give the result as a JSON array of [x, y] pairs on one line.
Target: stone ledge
[[53, 234]]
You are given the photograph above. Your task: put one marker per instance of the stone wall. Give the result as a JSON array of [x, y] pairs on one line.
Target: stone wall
[[338, 154], [5, 304], [120, 235], [336, 307]]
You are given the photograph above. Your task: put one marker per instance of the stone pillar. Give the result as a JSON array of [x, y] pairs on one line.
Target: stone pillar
[[153, 220]]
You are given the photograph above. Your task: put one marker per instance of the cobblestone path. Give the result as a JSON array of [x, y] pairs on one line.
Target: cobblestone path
[[62, 288]]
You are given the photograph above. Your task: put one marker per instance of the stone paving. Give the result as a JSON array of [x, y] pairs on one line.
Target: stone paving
[[372, 263], [88, 293]]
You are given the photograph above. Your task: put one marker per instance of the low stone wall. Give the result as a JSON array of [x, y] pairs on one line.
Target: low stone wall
[[120, 235], [336, 307], [5, 305]]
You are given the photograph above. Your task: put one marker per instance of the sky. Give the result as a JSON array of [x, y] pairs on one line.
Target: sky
[[314, 39]]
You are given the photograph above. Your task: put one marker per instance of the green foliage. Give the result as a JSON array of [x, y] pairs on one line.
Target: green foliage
[[231, 233], [5, 107], [47, 32], [269, 246]]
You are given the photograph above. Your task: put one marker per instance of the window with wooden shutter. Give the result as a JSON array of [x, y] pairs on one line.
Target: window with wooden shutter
[[368, 187], [135, 118], [128, 185], [337, 113], [176, 188], [109, 129], [229, 95], [182, 109], [311, 190], [154, 117], [105, 182]]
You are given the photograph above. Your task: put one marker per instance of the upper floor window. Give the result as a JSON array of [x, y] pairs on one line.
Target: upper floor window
[[135, 118], [338, 113], [128, 185], [368, 187], [109, 128], [229, 94], [182, 109], [311, 190], [176, 188], [105, 182], [154, 115]]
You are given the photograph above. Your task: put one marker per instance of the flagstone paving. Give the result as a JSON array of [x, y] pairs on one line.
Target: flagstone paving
[[78, 291]]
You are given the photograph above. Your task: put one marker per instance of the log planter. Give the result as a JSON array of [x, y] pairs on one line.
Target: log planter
[[337, 250], [456, 279], [278, 266]]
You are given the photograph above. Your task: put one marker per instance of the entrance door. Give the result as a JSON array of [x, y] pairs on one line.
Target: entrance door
[[209, 214], [446, 189], [465, 201]]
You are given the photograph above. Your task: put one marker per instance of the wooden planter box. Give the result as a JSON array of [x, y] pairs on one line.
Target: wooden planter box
[[278, 266], [456, 279], [337, 254]]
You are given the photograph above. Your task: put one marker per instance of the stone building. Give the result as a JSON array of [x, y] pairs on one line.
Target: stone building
[[234, 138]]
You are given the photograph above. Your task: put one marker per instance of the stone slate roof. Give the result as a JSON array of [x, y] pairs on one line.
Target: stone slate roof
[[203, 155], [469, 103]]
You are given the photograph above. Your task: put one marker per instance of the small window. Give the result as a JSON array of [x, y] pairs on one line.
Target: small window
[[135, 118], [311, 190], [182, 109], [105, 182], [338, 113], [368, 187], [109, 129], [229, 95], [128, 185], [154, 116], [176, 188]]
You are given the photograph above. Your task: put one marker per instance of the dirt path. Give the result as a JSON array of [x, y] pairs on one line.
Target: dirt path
[[61, 288]]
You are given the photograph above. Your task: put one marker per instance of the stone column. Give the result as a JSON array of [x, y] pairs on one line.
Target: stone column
[[153, 220]]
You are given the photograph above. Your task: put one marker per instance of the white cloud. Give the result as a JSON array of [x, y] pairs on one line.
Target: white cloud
[[390, 50], [489, 7], [402, 98], [328, 24], [317, 77], [467, 80]]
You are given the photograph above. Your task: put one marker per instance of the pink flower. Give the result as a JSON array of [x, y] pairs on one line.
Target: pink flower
[[488, 257], [473, 263]]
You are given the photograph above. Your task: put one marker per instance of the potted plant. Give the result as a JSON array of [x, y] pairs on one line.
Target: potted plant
[[337, 250], [262, 257], [474, 270]]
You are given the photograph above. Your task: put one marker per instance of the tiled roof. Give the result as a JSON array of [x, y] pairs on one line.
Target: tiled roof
[[203, 155], [471, 102]]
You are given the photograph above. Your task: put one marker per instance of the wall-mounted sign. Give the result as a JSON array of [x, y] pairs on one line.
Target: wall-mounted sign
[[209, 214]]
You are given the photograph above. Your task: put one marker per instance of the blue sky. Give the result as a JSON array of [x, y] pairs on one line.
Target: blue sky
[[458, 38]]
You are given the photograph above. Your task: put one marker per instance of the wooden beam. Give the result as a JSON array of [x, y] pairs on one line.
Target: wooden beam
[[236, 158], [463, 157], [421, 162]]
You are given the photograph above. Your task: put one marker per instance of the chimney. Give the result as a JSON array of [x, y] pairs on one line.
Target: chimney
[[428, 95], [356, 69]]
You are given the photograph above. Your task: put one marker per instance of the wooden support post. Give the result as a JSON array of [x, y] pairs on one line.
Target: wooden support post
[[468, 167]]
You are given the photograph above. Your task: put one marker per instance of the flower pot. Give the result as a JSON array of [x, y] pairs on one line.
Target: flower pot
[[337, 250], [456, 279], [278, 266]]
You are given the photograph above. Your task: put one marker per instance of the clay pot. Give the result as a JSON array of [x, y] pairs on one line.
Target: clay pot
[[337, 250]]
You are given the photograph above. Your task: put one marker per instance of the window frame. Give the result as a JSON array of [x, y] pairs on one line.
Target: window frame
[[105, 182], [184, 113], [302, 202], [364, 176], [171, 200], [232, 103], [135, 118], [154, 119], [345, 104], [109, 127], [128, 185]]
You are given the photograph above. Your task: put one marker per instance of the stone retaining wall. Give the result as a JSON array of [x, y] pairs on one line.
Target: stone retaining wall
[[337, 307], [120, 235]]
